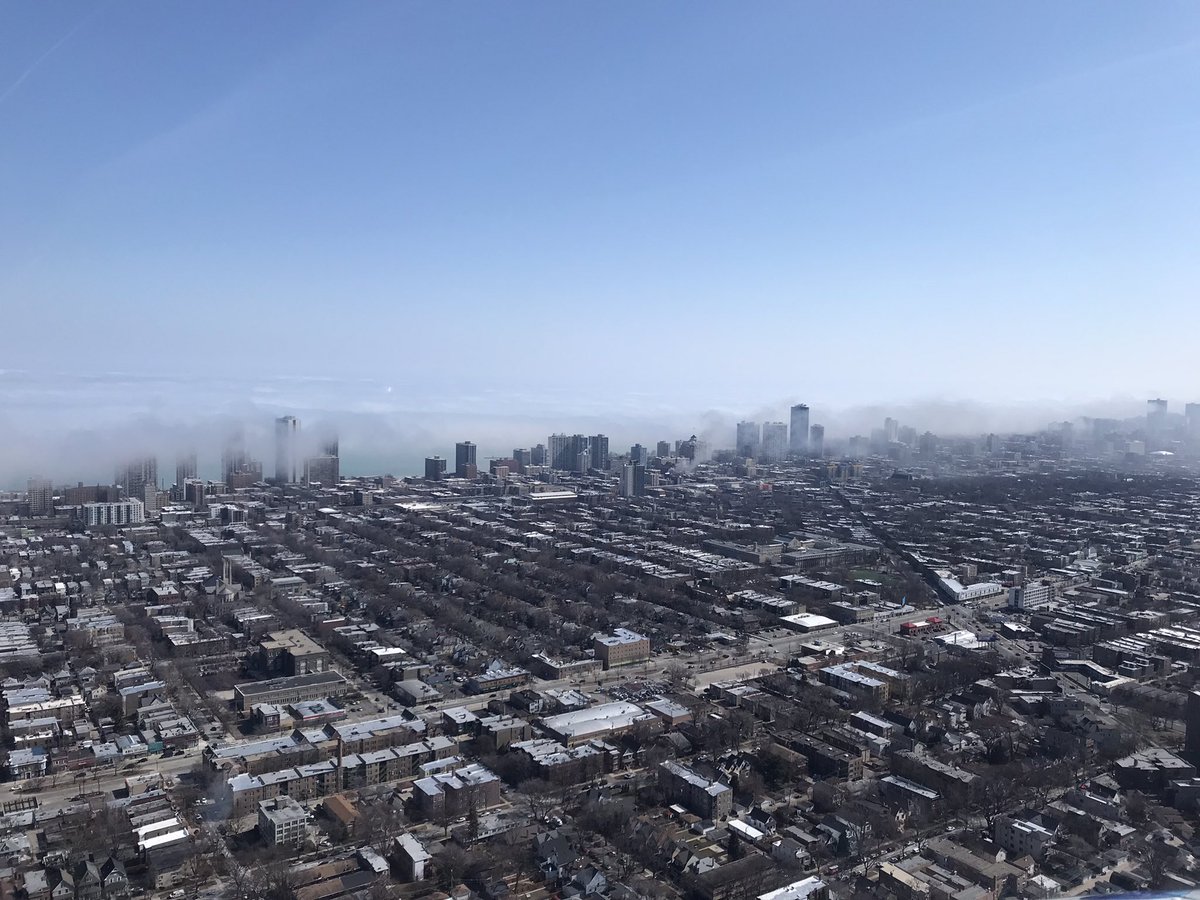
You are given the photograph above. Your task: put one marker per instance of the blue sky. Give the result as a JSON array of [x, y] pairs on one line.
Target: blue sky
[[707, 204]]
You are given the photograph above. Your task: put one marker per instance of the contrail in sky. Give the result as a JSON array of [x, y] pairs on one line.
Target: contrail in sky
[[11, 89]]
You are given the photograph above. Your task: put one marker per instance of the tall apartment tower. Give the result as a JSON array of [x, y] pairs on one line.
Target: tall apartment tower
[[800, 432], [816, 441], [558, 452], [633, 480], [41, 497], [598, 445], [325, 468], [234, 459], [774, 441], [287, 450], [748, 439], [1191, 420], [464, 459], [891, 430], [1156, 417], [663, 449], [185, 469], [137, 475], [639, 455], [435, 468], [523, 458]]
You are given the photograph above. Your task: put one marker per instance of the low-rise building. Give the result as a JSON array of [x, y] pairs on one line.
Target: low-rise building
[[706, 798], [282, 821], [621, 648]]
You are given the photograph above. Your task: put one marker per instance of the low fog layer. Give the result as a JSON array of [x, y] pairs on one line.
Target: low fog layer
[[72, 428]]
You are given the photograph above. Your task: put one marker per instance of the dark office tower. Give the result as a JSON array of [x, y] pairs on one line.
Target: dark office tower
[[138, 475], [464, 459], [774, 441], [185, 469], [538, 455], [927, 445], [41, 497], [598, 445], [435, 468], [748, 439], [816, 441], [800, 430], [663, 449], [558, 452], [523, 458], [287, 450], [639, 455]]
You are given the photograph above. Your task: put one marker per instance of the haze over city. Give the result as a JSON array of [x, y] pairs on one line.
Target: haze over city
[[599, 451]]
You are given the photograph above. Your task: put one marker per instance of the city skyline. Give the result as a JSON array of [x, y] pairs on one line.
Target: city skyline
[[315, 454]]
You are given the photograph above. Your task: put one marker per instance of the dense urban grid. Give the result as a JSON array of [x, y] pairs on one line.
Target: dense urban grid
[[891, 665]]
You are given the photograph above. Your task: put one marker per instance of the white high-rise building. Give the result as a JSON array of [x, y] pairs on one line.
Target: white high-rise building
[[287, 450]]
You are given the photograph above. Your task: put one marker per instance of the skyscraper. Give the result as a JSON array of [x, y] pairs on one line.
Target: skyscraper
[[137, 475], [927, 444], [234, 458], [774, 441], [558, 452], [287, 451], [464, 459], [598, 445], [891, 430], [1156, 418], [185, 469], [800, 432], [41, 497], [816, 441], [1191, 415], [663, 449], [748, 439], [322, 470], [523, 458], [639, 455], [325, 468], [435, 468], [563, 451], [633, 480]]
